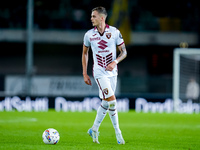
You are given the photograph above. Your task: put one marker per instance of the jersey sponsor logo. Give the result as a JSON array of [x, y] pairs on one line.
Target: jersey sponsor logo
[[104, 61], [102, 44], [105, 91], [95, 39], [108, 35], [103, 51]]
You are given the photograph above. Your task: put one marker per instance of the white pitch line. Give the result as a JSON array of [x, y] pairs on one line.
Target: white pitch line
[[20, 119]]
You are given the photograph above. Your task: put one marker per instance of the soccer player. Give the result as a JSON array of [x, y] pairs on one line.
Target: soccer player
[[103, 40]]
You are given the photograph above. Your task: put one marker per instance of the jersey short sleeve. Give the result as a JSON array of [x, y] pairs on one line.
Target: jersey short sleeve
[[86, 40], [119, 38]]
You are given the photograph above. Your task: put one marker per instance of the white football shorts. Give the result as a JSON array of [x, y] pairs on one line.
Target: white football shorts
[[107, 86]]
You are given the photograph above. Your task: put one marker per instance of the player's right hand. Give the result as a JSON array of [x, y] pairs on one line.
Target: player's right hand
[[87, 79]]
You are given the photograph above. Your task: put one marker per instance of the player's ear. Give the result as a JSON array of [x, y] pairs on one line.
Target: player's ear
[[102, 17]]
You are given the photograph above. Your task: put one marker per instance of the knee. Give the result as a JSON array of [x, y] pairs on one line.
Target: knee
[[104, 104], [112, 105]]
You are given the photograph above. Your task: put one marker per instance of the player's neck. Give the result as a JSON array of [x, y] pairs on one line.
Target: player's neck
[[101, 27]]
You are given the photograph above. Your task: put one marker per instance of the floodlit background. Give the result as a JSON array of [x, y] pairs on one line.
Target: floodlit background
[[151, 30], [40, 68]]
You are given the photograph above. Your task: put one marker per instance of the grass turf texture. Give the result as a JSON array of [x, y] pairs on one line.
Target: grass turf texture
[[141, 131]]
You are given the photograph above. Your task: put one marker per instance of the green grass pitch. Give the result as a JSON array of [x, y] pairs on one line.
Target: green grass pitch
[[141, 131]]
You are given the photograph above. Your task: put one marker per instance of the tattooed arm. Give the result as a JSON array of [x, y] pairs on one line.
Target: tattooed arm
[[121, 56], [123, 52]]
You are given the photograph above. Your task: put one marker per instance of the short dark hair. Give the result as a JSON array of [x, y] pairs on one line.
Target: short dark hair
[[100, 10]]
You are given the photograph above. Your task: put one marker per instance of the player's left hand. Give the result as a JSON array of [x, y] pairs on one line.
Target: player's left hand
[[111, 66]]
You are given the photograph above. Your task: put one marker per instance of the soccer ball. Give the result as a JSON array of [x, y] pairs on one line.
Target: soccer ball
[[50, 136]]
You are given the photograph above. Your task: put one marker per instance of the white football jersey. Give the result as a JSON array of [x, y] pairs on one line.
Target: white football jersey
[[103, 49]]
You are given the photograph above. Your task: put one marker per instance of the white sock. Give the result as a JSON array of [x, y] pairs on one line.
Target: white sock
[[114, 115], [101, 113]]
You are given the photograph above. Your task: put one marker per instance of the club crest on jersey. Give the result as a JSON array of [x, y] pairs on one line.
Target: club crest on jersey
[[105, 91], [108, 35]]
